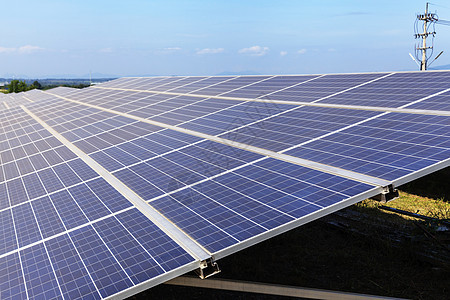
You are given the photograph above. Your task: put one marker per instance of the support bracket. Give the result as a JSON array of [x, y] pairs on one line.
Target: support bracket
[[207, 268], [388, 194]]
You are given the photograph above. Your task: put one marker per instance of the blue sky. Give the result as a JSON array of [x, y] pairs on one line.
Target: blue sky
[[136, 38]]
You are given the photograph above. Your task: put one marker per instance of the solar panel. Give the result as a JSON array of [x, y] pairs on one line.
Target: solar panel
[[121, 186]]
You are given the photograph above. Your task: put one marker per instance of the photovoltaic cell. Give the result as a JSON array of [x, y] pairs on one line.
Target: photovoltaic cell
[[109, 277], [12, 285], [38, 273], [73, 278]]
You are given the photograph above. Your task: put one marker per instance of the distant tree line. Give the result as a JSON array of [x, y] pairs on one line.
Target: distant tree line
[[17, 86]]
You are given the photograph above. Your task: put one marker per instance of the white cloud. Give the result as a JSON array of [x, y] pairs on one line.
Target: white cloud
[[106, 50], [172, 49], [7, 50], [283, 53], [301, 51], [27, 49], [210, 51], [255, 50], [168, 50], [332, 50]]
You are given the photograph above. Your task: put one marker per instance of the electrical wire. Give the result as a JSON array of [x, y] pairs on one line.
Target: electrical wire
[[417, 30], [443, 22]]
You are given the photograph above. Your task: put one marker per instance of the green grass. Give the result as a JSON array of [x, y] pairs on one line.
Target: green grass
[[435, 208]]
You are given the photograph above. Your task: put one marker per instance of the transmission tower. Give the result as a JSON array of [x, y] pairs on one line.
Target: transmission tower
[[429, 20]]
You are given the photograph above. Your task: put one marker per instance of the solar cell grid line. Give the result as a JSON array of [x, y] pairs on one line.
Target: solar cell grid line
[[299, 85], [276, 83], [202, 99], [46, 253], [439, 102], [168, 207], [181, 167], [99, 131], [315, 84], [137, 112], [114, 100], [149, 143], [229, 118], [294, 127], [231, 84], [179, 83], [17, 243], [396, 91], [126, 104], [207, 82], [161, 116], [37, 264], [156, 218], [149, 100], [244, 127], [89, 93], [210, 175], [307, 163], [210, 81], [68, 165], [304, 82], [289, 109], [119, 81], [172, 79], [140, 84], [255, 160], [98, 95], [12, 280], [393, 176]]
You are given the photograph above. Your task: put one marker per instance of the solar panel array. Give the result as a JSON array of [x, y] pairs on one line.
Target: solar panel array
[[112, 189]]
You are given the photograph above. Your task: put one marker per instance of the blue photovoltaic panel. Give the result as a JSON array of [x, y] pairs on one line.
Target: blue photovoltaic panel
[[387, 147], [263, 89], [234, 117], [439, 102], [394, 91], [66, 229], [195, 86], [296, 126], [136, 262], [193, 111], [322, 87], [163, 249], [186, 166], [228, 85], [238, 205], [178, 83]]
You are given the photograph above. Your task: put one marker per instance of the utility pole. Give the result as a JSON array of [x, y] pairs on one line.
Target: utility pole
[[425, 18]]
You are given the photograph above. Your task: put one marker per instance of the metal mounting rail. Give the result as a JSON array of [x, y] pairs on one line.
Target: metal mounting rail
[[186, 242], [270, 289]]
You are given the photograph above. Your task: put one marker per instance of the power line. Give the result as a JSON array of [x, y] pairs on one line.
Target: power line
[[443, 22]]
